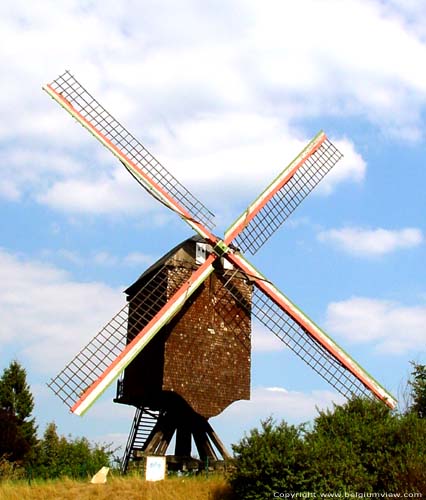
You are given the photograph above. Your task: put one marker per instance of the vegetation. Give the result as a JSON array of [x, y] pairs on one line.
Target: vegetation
[[74, 458], [17, 428], [363, 446], [358, 447], [268, 460], [418, 390], [22, 454]]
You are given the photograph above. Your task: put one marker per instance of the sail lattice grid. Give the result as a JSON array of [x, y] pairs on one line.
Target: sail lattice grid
[[306, 347], [92, 361], [303, 344], [286, 200], [88, 107]]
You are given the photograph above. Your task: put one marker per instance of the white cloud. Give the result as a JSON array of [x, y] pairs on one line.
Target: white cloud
[[68, 256], [411, 13], [238, 154], [100, 258], [351, 168], [281, 403], [263, 340], [46, 315], [348, 73], [138, 259], [114, 194], [372, 242], [105, 259], [28, 168], [295, 407], [208, 154], [391, 326], [214, 92]]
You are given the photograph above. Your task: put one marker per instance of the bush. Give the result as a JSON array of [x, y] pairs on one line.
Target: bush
[[75, 458], [10, 470], [360, 446], [351, 448], [269, 460], [417, 385]]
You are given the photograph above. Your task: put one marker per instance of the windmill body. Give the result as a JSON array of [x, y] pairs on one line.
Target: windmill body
[[196, 365], [182, 341], [198, 356]]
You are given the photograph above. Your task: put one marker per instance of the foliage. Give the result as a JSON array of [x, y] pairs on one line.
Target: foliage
[[418, 390], [10, 470], [353, 448], [269, 460], [13, 445], [76, 458], [360, 446], [410, 448], [52, 456], [18, 433]]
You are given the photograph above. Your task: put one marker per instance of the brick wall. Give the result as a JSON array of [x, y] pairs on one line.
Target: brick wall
[[207, 357], [204, 353]]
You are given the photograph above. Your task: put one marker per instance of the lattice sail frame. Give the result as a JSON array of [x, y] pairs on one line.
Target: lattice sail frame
[[277, 312], [148, 171], [270, 210], [112, 340], [281, 316], [157, 316], [293, 335]]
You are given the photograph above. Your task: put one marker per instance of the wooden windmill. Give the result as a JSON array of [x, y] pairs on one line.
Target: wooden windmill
[[182, 341]]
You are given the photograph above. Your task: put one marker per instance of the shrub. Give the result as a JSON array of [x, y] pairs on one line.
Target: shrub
[[360, 446], [75, 458], [269, 460], [10, 470]]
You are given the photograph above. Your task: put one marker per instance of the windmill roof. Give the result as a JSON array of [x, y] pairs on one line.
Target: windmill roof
[[160, 262]]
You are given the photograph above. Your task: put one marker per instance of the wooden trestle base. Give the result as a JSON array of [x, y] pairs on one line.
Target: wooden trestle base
[[187, 426], [196, 427]]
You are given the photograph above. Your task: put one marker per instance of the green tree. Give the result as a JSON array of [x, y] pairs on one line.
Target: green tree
[[13, 446], [360, 446], [76, 458], [418, 390], [409, 453], [17, 401], [269, 460], [351, 448], [48, 452]]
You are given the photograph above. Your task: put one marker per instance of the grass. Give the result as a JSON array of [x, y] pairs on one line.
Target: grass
[[130, 488]]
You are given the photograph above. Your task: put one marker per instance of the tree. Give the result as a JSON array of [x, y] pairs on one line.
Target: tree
[[47, 460], [13, 446], [360, 446], [17, 402], [418, 390], [77, 458], [269, 460], [351, 448]]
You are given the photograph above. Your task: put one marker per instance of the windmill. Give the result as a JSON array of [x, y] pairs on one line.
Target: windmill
[[182, 341]]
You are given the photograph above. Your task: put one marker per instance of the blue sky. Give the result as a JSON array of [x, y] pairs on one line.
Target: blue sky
[[224, 94]]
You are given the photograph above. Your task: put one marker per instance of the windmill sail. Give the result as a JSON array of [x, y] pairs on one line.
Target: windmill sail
[[268, 212], [272, 308], [98, 364], [149, 172]]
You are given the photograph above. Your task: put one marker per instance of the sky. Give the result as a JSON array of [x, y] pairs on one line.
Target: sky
[[224, 94]]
